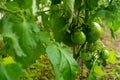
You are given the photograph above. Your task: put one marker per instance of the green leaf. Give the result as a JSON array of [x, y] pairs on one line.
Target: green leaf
[[11, 71], [43, 1], [6, 25], [112, 57], [22, 37], [13, 39], [30, 43], [1, 26], [24, 3], [54, 2], [69, 5], [92, 76], [62, 61], [2, 76], [107, 15], [58, 28], [2, 0], [45, 20], [55, 12], [77, 4], [1, 39], [15, 44], [98, 70], [112, 33], [12, 6], [44, 37], [28, 33], [31, 54], [8, 60], [116, 22], [110, 19], [27, 36], [67, 59], [92, 4]]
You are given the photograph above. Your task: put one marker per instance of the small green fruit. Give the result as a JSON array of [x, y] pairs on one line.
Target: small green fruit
[[78, 37]]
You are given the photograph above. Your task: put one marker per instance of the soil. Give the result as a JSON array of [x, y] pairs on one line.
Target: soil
[[109, 41]]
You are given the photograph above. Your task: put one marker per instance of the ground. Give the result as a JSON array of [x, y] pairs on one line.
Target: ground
[[109, 41]]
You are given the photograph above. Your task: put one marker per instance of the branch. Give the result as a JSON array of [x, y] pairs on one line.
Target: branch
[[44, 11], [86, 12], [9, 11]]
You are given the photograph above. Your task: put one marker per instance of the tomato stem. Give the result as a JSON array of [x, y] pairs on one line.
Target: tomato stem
[[91, 70], [74, 51], [86, 12], [82, 68], [78, 53]]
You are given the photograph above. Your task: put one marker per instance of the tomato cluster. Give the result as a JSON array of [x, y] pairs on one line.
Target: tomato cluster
[[91, 34], [100, 58], [88, 36]]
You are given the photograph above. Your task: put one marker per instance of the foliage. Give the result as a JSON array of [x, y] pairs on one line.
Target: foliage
[[64, 65], [30, 28], [39, 70]]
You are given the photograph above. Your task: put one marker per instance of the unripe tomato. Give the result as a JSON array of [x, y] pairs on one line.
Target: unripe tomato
[[104, 54], [78, 37], [93, 32], [85, 56]]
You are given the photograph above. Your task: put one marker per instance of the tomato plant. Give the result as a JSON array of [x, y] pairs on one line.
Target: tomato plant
[[67, 31]]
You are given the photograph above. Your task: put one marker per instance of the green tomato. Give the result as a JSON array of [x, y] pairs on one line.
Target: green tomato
[[85, 56], [94, 32], [104, 54], [78, 37]]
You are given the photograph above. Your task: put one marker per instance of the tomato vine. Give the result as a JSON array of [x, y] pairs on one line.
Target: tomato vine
[[67, 31]]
